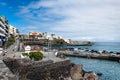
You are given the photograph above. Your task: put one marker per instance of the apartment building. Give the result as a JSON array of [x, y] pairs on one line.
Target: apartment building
[[4, 30], [13, 31]]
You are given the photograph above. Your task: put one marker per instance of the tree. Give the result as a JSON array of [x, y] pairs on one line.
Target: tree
[[40, 35], [11, 39], [34, 55], [58, 41]]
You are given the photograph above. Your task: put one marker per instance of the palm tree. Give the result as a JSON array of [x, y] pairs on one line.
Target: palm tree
[[45, 34], [52, 36]]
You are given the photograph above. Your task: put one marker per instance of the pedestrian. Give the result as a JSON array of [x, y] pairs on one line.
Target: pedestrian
[[56, 53], [6, 53], [3, 53], [14, 53]]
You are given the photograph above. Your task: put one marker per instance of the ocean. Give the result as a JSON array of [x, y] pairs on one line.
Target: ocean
[[109, 46], [109, 69]]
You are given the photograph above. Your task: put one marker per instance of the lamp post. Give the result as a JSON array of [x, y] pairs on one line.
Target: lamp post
[[48, 47]]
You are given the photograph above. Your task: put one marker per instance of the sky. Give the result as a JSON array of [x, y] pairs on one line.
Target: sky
[[83, 20]]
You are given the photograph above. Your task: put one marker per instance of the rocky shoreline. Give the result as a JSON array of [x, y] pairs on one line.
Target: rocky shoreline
[[48, 70], [91, 54]]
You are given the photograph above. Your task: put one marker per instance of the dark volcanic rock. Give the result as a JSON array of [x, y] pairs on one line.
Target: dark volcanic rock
[[43, 70], [76, 72], [99, 74], [90, 76], [46, 70], [1, 77]]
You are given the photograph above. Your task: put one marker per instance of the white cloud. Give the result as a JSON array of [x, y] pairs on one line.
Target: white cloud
[[3, 3], [85, 19]]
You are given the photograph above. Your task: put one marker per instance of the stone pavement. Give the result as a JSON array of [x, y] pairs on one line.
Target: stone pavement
[[51, 56], [47, 56], [5, 73]]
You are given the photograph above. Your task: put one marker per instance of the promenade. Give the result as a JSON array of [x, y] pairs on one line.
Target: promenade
[[6, 74], [12, 52], [47, 56]]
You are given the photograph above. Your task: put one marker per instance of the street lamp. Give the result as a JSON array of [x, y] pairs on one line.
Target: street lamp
[[49, 46]]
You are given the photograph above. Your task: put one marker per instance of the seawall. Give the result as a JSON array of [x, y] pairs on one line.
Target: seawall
[[90, 56]]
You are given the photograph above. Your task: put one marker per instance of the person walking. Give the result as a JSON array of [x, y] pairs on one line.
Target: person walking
[[5, 53], [14, 53]]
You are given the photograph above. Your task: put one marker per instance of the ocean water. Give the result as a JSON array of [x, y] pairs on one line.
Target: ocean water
[[109, 46], [109, 69]]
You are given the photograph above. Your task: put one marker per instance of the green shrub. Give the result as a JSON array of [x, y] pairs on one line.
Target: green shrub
[[36, 55], [25, 54]]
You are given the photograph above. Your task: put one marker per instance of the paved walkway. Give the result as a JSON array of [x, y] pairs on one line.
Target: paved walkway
[[47, 56], [51, 56], [5, 73]]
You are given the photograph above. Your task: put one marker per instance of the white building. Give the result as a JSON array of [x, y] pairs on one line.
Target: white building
[[67, 40], [53, 36], [13, 30], [4, 30]]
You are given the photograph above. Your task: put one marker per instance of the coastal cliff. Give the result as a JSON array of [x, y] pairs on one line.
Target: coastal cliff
[[47, 70], [80, 43]]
